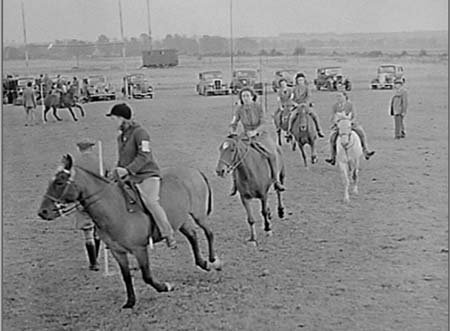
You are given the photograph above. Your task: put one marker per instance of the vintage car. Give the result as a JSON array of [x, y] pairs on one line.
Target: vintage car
[[211, 83], [21, 84], [246, 78], [138, 87], [99, 88], [287, 74], [331, 79], [9, 89], [386, 75]]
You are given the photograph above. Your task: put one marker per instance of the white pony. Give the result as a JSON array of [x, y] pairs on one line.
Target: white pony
[[349, 152]]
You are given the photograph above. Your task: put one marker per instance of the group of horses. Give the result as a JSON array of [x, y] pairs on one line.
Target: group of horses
[[64, 100], [186, 196]]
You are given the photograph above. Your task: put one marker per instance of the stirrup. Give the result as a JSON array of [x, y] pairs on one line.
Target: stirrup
[[279, 187], [331, 161]]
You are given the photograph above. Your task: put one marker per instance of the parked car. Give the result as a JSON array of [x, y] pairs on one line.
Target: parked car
[[9, 89], [138, 86], [246, 78], [287, 74], [386, 75], [100, 89], [331, 79], [211, 83]]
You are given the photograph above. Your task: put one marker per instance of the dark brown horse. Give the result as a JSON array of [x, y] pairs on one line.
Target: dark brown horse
[[253, 178], [52, 101], [280, 119], [304, 132], [184, 192]]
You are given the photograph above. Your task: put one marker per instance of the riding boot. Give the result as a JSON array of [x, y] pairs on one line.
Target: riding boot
[[97, 246], [91, 251], [362, 137], [333, 139], [316, 123], [272, 164]]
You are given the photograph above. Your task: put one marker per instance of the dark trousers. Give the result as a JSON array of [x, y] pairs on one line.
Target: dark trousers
[[399, 126]]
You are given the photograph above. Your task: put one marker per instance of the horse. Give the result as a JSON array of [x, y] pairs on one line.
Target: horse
[[304, 132], [67, 101], [348, 154], [184, 192], [252, 175], [281, 121]]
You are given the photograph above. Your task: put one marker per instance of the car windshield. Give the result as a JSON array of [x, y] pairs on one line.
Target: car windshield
[[386, 69], [136, 78], [333, 71], [93, 80], [24, 81], [212, 75], [245, 73]]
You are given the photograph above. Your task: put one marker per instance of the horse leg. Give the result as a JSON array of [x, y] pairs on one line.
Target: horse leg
[[280, 204], [250, 220], [344, 173], [267, 215], [355, 178], [71, 113], [302, 151], [213, 259], [191, 235], [313, 152], [122, 259], [81, 109], [279, 136], [55, 113], [141, 255], [45, 113]]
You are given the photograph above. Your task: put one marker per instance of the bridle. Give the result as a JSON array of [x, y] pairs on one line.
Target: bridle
[[231, 167], [59, 202]]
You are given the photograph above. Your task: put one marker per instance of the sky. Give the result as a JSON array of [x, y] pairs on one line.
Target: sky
[[48, 20]]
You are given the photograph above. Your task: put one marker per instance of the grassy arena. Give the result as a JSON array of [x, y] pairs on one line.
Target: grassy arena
[[379, 263]]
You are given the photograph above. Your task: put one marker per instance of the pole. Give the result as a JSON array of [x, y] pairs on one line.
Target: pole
[[42, 101], [123, 39], [25, 38], [231, 53], [149, 27]]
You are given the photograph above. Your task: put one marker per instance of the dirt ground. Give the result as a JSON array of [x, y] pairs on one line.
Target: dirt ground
[[378, 263]]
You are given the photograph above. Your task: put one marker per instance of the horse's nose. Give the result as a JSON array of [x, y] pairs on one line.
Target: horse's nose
[[43, 213], [220, 172]]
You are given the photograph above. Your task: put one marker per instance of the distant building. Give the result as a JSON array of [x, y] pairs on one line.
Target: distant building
[[160, 58]]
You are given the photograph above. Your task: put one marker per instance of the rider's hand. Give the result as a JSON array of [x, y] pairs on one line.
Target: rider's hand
[[121, 172]]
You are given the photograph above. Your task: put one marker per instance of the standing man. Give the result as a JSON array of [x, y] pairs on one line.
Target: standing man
[[29, 103], [88, 160], [398, 107], [76, 88], [136, 161]]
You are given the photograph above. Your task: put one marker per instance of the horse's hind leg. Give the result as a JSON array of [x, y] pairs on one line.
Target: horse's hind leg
[[141, 255], [302, 152], [216, 264], [45, 113], [71, 113], [81, 109], [250, 220], [344, 173], [191, 235], [267, 216], [355, 180], [313, 152], [55, 113], [122, 259]]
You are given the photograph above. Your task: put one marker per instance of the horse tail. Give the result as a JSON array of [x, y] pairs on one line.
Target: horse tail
[[209, 207]]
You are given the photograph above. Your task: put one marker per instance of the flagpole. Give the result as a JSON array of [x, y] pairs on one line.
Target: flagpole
[[25, 37], [123, 40], [149, 27], [231, 53]]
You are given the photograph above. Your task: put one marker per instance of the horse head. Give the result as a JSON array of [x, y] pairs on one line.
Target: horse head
[[229, 152], [344, 125], [303, 117], [60, 191]]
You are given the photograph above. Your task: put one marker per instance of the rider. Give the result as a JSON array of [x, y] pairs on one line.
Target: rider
[[251, 116], [136, 160], [83, 221], [344, 105], [301, 94]]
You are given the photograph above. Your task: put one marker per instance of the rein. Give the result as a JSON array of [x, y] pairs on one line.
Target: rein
[[232, 167]]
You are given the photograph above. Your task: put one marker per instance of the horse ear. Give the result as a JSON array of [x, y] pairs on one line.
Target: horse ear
[[67, 161]]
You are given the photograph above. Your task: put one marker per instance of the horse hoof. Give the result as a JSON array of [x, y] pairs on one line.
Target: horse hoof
[[128, 305], [280, 212], [75, 119], [169, 287], [217, 264], [252, 243], [269, 233]]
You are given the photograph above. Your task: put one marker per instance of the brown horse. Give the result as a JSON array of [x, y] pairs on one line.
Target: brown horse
[[304, 132], [252, 175], [184, 192], [67, 101], [280, 119]]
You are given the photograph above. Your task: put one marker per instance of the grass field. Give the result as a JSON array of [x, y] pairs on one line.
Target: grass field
[[378, 263]]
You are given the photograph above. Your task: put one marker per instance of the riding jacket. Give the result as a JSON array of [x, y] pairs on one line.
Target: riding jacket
[[251, 116], [301, 94], [135, 153], [284, 95]]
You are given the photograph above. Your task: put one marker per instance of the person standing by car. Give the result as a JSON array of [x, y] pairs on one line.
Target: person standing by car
[[398, 107], [137, 162], [301, 94], [76, 88], [29, 103]]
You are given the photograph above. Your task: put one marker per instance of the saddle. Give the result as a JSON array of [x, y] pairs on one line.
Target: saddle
[[133, 199]]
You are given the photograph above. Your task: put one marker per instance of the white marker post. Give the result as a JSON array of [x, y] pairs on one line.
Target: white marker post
[[42, 102]]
